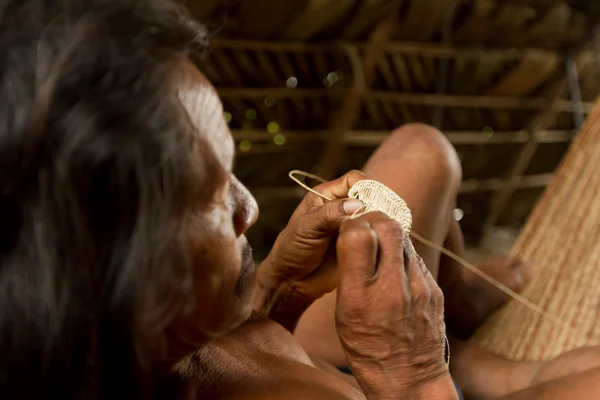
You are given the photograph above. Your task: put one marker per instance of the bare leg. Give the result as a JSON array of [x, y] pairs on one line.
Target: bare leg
[[483, 375]]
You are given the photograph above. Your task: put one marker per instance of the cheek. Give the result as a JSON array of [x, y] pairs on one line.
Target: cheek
[[215, 256], [216, 263]]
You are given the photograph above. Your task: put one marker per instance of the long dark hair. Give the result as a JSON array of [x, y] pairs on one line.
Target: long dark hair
[[96, 173]]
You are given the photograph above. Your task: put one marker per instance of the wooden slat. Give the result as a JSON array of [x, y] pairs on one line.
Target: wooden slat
[[515, 103], [423, 18], [269, 70], [245, 63], [305, 72], [402, 71], [406, 48], [321, 64], [511, 19], [475, 28], [387, 73], [374, 113], [211, 71], [551, 27], [368, 14], [406, 113], [419, 76], [317, 15], [266, 19], [533, 70], [374, 138], [392, 115], [226, 65]]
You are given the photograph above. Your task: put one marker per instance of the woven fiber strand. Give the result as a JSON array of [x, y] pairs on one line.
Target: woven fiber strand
[[562, 241]]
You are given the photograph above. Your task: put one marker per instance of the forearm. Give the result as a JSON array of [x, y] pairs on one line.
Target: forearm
[[277, 300], [441, 388]]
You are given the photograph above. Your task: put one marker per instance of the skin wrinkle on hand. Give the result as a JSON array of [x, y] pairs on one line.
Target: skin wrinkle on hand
[[378, 197]]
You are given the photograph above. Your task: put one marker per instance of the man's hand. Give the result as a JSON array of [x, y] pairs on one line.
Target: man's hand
[[390, 313], [301, 267]]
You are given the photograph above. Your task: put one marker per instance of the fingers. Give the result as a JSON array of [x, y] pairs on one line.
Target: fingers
[[390, 239], [396, 262], [418, 278], [339, 188], [324, 221], [336, 189], [357, 256]]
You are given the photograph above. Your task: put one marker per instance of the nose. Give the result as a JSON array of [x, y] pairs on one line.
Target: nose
[[245, 208]]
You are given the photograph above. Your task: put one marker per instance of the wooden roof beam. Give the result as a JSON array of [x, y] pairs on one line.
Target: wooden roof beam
[[502, 102], [406, 48], [362, 138]]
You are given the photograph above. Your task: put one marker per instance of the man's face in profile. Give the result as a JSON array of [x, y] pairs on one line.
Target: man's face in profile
[[222, 259]]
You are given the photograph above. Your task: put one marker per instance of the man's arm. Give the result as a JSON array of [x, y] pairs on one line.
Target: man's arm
[[301, 267], [278, 300]]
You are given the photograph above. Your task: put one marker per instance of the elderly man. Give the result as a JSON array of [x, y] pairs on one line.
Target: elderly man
[[124, 269]]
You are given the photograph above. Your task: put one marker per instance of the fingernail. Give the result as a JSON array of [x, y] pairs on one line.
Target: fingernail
[[352, 206]]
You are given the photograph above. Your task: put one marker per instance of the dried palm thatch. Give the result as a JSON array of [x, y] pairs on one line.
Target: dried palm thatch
[[561, 238]]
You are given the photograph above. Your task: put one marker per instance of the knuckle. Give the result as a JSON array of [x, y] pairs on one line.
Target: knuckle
[[347, 315], [387, 226], [356, 235], [421, 294], [319, 188], [332, 211], [306, 225], [398, 304], [355, 175], [437, 295], [311, 200]]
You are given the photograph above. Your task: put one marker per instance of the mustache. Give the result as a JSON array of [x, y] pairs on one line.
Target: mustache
[[246, 270]]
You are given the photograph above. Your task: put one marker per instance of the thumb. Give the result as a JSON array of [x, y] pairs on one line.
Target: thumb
[[357, 256], [328, 218]]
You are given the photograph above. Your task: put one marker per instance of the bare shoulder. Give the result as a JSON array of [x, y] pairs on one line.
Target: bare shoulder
[[260, 360], [300, 392]]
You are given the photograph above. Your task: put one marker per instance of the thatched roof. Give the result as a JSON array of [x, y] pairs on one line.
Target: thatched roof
[[317, 84]]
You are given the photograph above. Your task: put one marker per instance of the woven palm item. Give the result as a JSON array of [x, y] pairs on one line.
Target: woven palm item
[[562, 241], [378, 197]]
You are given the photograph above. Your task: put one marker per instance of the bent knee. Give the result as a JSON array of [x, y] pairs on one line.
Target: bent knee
[[429, 150]]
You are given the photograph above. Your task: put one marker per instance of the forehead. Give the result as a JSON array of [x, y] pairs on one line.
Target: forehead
[[205, 109]]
